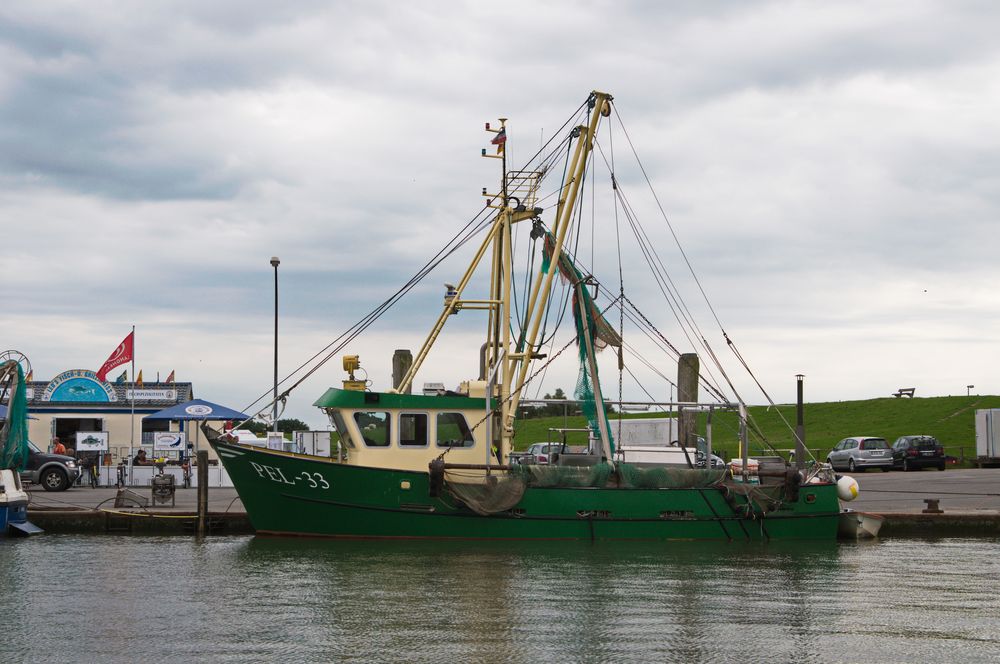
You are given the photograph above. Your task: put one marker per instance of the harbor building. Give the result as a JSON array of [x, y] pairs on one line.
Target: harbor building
[[75, 404]]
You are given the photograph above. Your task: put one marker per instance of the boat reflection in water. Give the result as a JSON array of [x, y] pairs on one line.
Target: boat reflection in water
[[250, 599]]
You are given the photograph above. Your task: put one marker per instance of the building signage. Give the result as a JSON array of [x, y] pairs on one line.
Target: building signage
[[151, 395], [91, 441], [168, 440], [79, 385]]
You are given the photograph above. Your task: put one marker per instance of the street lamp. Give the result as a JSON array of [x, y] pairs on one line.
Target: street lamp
[[968, 390], [800, 426], [274, 407]]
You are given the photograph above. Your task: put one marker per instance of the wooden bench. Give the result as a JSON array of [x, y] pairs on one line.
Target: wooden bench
[[904, 391]]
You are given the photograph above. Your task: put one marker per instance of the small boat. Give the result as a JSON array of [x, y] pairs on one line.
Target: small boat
[[14, 506], [14, 448], [439, 465], [859, 525]]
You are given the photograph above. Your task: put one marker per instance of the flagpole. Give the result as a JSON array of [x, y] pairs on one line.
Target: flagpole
[[131, 443]]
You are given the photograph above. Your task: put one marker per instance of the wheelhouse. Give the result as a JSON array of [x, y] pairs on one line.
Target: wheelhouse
[[404, 431]]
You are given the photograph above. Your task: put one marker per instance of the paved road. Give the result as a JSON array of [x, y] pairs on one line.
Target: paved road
[[966, 490], [958, 489]]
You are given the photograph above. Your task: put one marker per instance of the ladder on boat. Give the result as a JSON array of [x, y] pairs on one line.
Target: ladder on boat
[[523, 185]]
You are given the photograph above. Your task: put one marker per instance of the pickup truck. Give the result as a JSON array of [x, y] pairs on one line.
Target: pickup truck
[[55, 472]]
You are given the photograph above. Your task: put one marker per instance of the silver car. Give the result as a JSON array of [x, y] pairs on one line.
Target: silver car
[[859, 453], [542, 453]]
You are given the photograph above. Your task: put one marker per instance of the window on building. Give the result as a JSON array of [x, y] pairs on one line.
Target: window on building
[[453, 431], [374, 426]]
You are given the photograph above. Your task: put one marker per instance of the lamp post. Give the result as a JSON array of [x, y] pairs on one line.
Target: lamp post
[[274, 407], [800, 426], [968, 390]]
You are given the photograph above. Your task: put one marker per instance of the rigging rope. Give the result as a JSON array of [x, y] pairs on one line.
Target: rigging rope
[[335, 346]]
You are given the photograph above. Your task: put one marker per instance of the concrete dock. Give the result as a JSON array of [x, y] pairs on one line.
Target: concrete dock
[[85, 509], [968, 500]]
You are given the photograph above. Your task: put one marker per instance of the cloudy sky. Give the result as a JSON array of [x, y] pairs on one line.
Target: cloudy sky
[[831, 170]]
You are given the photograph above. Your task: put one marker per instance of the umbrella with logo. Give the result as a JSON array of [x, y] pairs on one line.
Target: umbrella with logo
[[199, 410]]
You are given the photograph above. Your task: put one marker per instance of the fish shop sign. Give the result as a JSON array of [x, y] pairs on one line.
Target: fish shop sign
[[79, 385]]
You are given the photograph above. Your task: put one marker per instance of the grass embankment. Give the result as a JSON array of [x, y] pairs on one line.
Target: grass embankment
[[949, 419]]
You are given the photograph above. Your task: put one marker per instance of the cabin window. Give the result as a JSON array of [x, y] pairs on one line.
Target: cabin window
[[340, 432], [374, 427], [413, 429], [453, 431]]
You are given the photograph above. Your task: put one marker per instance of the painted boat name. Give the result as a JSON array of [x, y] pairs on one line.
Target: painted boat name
[[273, 473]]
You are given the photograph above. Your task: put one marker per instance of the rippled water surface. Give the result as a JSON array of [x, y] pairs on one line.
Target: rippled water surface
[[116, 599]]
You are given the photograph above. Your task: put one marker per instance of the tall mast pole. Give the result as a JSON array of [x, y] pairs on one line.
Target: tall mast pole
[[507, 267], [131, 440], [543, 285], [498, 347]]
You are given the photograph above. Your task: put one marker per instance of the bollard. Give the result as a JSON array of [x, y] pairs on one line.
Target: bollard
[[202, 492], [932, 506]]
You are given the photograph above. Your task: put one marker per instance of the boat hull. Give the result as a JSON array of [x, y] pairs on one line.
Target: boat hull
[[859, 525], [14, 507], [287, 494]]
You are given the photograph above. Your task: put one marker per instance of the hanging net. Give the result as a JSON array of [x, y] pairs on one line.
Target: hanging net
[[563, 476], [600, 332], [502, 492], [496, 493], [14, 433]]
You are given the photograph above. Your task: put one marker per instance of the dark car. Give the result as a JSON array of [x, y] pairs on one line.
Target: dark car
[[915, 452], [55, 472]]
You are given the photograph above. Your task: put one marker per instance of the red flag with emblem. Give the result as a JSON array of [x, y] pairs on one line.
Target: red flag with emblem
[[121, 355]]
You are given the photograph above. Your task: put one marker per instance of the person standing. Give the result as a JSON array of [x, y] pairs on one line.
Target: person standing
[[57, 446]]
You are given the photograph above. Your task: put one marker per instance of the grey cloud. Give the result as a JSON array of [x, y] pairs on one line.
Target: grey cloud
[[810, 156]]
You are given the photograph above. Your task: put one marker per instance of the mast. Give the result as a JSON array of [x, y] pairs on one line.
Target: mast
[[516, 361], [601, 107]]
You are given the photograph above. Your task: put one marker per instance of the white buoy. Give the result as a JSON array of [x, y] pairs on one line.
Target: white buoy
[[847, 488]]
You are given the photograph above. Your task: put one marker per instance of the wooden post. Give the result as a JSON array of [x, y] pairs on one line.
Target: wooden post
[[687, 392], [202, 492], [402, 360]]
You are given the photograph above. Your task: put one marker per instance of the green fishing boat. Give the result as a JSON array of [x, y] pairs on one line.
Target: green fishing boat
[[442, 465]]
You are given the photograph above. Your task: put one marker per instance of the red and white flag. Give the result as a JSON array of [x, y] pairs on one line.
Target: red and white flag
[[121, 355]]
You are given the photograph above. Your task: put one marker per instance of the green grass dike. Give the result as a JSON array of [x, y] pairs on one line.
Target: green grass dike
[[949, 419]]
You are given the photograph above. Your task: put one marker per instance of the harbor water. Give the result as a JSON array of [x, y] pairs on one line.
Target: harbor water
[[240, 599]]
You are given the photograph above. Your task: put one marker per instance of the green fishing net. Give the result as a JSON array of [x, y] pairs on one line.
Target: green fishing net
[[600, 332], [14, 433]]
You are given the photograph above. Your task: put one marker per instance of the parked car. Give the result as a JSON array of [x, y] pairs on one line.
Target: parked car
[[55, 472], [915, 452], [699, 460], [859, 453], [699, 455], [541, 453]]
